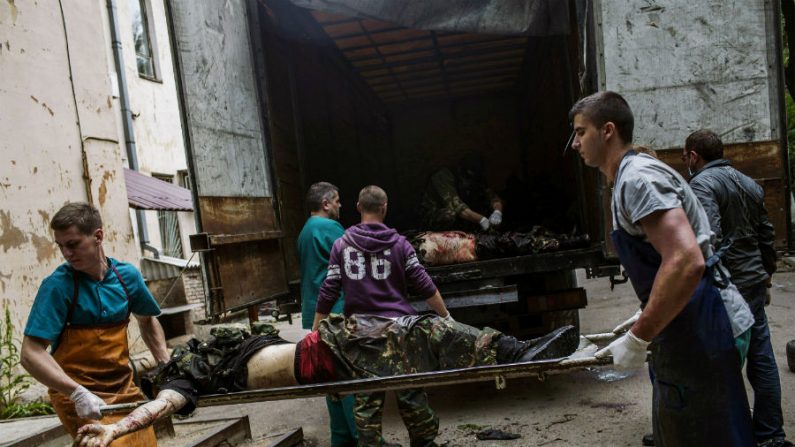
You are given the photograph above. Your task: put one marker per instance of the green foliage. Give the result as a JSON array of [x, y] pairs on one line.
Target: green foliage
[[12, 384]]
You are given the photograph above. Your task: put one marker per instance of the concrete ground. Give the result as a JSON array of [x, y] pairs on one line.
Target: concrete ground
[[597, 407]]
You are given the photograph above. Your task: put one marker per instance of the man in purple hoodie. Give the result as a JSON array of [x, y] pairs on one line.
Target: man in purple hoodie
[[374, 266]]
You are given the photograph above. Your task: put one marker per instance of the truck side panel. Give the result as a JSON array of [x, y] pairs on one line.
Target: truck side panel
[[688, 65], [228, 157]]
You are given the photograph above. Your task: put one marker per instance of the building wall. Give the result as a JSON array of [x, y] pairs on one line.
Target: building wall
[[194, 291], [155, 107], [60, 140], [63, 139]]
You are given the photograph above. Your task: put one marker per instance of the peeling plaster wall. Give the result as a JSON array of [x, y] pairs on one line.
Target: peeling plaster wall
[[54, 122], [155, 106]]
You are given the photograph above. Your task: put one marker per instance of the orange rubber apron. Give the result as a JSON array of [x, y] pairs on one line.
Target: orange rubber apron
[[97, 357]]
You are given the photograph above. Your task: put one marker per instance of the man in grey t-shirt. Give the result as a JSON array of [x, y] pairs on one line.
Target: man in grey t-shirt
[[652, 186], [662, 236]]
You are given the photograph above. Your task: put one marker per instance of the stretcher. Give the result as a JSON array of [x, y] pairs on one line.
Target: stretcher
[[580, 359]]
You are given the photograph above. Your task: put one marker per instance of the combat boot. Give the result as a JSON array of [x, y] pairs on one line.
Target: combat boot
[[560, 343]]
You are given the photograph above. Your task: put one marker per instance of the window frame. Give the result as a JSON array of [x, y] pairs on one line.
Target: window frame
[[145, 8], [164, 214]]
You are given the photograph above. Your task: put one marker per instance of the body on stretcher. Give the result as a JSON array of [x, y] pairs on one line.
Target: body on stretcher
[[583, 357]]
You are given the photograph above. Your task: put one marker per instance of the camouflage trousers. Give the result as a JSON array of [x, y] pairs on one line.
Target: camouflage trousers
[[368, 346], [420, 420]]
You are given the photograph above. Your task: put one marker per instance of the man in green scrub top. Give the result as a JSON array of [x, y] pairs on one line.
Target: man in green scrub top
[[314, 246]]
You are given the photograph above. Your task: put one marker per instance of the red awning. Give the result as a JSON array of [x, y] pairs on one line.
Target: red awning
[[148, 193]]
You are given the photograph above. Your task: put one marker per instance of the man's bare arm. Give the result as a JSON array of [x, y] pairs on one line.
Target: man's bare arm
[[153, 336], [97, 435], [318, 316], [40, 364], [436, 303], [681, 269]]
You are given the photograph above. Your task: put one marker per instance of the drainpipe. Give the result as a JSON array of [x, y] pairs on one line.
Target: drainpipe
[[126, 113]]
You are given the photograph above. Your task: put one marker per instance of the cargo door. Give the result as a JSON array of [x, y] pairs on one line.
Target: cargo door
[[228, 156], [685, 65]]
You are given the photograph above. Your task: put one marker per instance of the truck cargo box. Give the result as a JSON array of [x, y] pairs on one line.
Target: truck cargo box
[[277, 97]]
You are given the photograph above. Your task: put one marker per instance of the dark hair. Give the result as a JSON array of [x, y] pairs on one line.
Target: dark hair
[[80, 214], [603, 107], [319, 192], [706, 144], [372, 198]]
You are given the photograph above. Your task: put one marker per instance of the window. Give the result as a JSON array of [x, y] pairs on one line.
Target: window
[[183, 178], [170, 238], [144, 50]]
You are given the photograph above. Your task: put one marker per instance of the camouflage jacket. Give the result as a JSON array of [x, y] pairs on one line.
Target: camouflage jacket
[[216, 365]]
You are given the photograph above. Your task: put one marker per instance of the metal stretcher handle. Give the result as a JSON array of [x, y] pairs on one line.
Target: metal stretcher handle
[[426, 379]]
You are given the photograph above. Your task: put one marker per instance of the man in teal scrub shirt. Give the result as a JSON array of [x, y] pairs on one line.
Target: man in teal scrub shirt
[[81, 312], [314, 246]]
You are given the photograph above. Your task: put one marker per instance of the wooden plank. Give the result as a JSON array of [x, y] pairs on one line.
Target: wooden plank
[[230, 215], [231, 432], [40, 437], [343, 28], [239, 238], [290, 439], [250, 272]]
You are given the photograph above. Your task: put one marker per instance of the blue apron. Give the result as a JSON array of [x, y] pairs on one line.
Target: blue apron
[[698, 392]]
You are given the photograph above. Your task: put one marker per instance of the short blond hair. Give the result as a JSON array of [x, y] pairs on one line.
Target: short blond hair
[[372, 198]]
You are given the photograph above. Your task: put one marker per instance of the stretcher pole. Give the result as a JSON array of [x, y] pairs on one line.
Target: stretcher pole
[[427, 379]]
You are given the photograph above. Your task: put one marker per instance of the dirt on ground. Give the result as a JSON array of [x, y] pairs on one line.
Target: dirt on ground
[[596, 407]]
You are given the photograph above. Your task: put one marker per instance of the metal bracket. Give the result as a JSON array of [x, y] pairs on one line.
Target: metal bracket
[[600, 271], [614, 281]]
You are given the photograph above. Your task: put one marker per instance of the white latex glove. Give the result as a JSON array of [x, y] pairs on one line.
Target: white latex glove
[[448, 318], [484, 223], [496, 218], [629, 351], [86, 403], [623, 327]]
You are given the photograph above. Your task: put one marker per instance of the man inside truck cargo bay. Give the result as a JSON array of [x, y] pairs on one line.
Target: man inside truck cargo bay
[[457, 198], [662, 237]]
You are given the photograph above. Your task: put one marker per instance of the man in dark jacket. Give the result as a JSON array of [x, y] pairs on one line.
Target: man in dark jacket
[[374, 265], [734, 204]]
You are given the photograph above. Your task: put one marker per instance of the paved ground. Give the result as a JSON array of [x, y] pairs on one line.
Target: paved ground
[[586, 408]]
